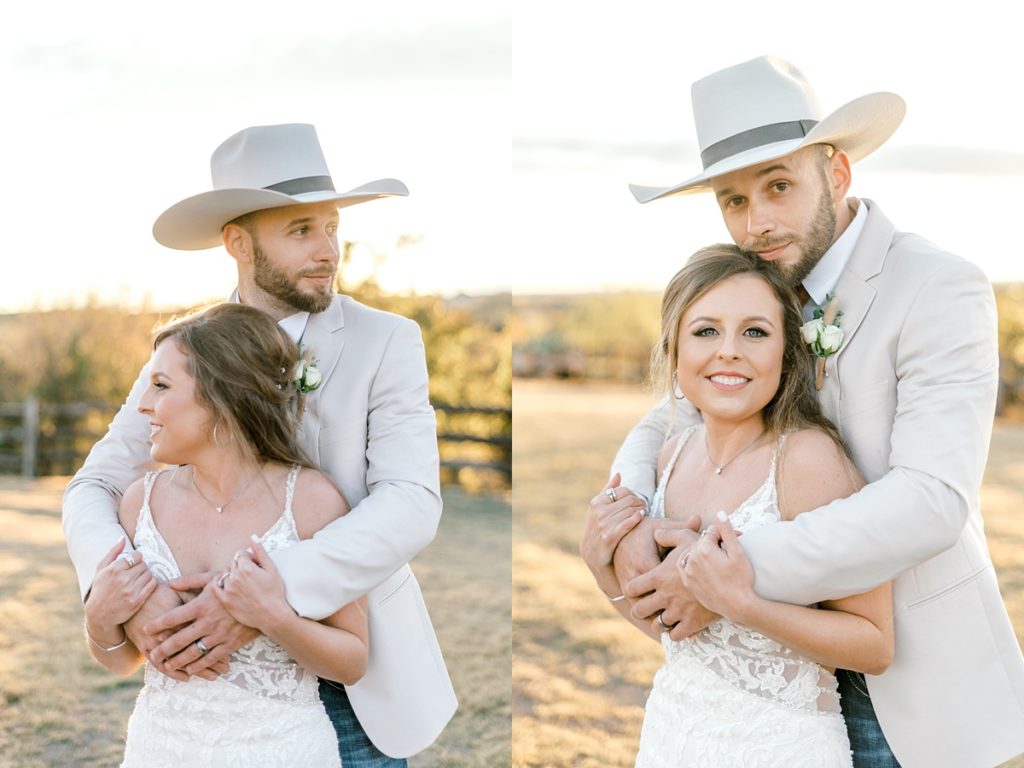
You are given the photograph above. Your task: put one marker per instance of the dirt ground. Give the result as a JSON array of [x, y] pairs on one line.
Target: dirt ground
[[60, 708], [580, 673]]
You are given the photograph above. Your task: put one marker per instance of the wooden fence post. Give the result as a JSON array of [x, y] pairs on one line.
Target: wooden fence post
[[30, 436]]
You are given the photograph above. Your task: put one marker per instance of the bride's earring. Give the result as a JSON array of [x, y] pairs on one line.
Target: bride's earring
[[676, 391]]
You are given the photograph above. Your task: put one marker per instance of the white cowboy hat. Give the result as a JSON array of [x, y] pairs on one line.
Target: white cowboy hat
[[764, 109], [267, 166]]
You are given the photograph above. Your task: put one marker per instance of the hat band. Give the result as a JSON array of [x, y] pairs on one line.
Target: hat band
[[755, 137], [303, 184]]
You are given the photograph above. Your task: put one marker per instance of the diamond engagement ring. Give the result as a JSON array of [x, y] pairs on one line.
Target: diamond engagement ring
[[202, 646], [610, 493], [129, 557]]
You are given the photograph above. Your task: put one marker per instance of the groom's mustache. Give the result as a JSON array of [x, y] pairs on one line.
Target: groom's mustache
[[766, 245]]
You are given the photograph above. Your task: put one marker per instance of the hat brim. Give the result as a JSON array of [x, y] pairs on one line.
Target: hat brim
[[196, 222], [858, 128]]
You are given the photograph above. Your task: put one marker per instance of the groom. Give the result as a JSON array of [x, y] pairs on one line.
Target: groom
[[368, 424], [912, 390]]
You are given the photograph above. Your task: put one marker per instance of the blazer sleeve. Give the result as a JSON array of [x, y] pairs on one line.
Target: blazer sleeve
[[401, 512], [947, 372], [637, 458], [89, 509]]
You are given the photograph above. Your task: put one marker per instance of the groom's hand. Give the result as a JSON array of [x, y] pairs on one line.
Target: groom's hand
[[637, 552], [660, 591], [203, 618], [162, 600]]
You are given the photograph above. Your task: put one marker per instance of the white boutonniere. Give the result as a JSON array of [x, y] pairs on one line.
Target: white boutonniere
[[824, 336], [306, 377]]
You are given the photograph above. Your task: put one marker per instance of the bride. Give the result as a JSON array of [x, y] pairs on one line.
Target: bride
[[220, 404], [757, 686]]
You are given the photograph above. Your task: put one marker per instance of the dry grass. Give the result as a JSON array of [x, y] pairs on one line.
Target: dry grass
[[580, 674], [59, 708]]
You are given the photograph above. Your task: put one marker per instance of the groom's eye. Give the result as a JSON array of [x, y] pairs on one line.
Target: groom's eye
[[705, 331]]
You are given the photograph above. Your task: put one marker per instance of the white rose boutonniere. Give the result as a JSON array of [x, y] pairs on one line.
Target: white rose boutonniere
[[824, 336], [306, 377]]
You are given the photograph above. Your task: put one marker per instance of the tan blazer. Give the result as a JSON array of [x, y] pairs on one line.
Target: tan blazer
[[913, 393], [369, 426]]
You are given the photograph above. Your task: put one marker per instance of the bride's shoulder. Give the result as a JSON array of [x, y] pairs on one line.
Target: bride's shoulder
[[317, 502], [810, 444], [812, 470]]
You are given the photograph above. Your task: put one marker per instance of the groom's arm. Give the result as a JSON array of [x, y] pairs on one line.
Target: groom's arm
[[400, 514], [637, 462], [637, 458], [947, 370], [89, 509]]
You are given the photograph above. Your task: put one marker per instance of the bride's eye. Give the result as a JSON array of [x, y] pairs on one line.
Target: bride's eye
[[705, 331], [758, 333]]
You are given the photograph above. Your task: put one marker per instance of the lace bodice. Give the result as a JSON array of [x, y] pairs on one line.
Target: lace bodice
[[261, 667], [744, 658]]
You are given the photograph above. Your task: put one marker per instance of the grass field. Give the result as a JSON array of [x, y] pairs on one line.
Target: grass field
[[580, 673], [58, 708]]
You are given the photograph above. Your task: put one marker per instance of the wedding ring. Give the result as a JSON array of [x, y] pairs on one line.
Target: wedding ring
[[223, 578], [202, 646], [129, 557], [610, 493], [661, 623]]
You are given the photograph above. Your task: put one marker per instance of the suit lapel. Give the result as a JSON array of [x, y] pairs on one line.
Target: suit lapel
[[854, 293], [325, 339]]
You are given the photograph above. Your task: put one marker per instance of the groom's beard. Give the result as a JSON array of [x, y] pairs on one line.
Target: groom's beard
[[813, 245], [281, 286]]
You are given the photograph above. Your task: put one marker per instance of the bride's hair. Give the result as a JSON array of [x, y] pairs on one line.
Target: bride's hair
[[795, 404], [242, 364]]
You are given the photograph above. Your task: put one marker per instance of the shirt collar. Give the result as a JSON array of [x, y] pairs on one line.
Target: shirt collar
[[293, 325], [825, 276]]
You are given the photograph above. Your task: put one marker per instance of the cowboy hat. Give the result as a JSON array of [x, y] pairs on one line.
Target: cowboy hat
[[267, 166], [764, 109]]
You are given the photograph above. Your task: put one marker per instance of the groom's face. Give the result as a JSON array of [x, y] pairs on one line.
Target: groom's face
[[295, 254], [784, 210]]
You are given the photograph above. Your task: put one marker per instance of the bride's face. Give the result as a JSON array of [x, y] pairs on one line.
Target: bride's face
[[731, 342], [179, 424]]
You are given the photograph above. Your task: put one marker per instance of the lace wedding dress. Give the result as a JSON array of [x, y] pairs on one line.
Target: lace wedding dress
[[729, 697], [264, 712]]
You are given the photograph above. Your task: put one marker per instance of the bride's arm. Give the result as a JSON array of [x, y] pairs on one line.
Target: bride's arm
[[853, 633], [254, 594]]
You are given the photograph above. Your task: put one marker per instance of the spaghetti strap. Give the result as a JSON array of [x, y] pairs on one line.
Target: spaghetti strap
[[289, 492], [659, 494], [147, 488]]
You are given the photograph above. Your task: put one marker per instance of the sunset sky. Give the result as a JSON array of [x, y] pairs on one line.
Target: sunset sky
[[516, 130]]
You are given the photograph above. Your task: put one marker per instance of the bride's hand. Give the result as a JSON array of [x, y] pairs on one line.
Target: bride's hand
[[252, 590], [123, 583], [609, 517], [717, 572]]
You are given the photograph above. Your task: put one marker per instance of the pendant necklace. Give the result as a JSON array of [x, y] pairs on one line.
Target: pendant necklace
[[218, 508], [719, 467]]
